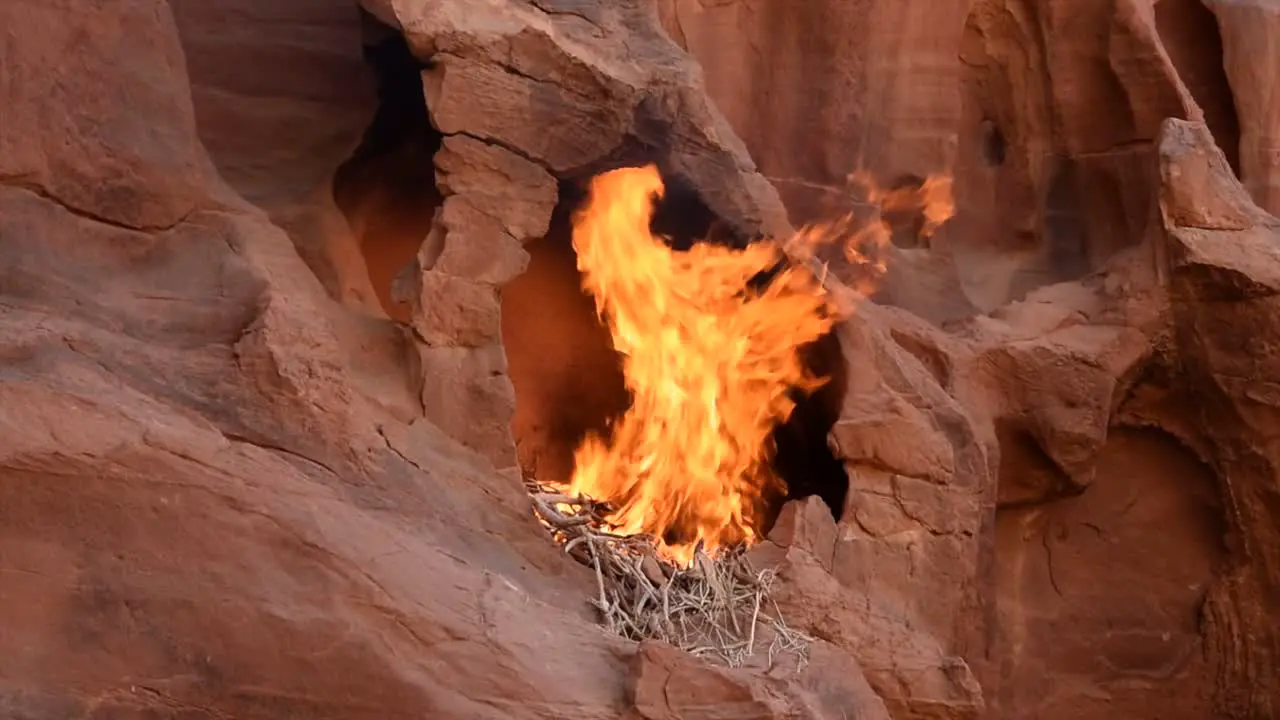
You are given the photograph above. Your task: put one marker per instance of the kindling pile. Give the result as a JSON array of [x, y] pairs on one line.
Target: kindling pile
[[719, 608]]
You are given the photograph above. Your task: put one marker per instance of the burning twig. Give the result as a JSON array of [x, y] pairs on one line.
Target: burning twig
[[719, 609]]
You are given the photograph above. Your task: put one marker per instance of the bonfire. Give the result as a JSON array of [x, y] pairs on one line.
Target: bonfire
[[664, 508]]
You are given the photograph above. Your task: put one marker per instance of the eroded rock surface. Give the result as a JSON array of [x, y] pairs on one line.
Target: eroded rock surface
[[1223, 264], [1056, 137], [257, 456], [1047, 120], [1251, 39], [200, 516], [216, 502]]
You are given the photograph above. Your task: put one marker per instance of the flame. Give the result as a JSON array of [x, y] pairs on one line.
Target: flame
[[709, 362], [711, 358], [931, 197], [865, 233]]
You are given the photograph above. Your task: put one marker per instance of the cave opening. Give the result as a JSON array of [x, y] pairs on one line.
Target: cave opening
[[567, 377], [994, 146], [387, 187], [569, 380]]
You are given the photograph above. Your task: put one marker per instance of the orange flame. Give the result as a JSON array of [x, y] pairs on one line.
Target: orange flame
[[710, 363], [866, 233], [931, 197]]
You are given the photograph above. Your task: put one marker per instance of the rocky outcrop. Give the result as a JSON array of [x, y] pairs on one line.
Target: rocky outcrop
[[1082, 415], [495, 200], [918, 507], [256, 449], [299, 83], [1223, 262], [1047, 122], [200, 516], [1056, 139], [216, 500], [527, 94]]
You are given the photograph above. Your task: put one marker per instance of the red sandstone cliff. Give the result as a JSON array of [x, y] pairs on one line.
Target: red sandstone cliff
[[257, 398]]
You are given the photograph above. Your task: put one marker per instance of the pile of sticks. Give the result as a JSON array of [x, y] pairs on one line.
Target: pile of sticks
[[718, 608]]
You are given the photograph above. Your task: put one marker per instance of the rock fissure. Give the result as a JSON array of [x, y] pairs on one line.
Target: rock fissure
[[29, 183]]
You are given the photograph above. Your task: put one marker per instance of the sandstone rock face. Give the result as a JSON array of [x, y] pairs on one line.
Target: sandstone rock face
[[623, 101], [1250, 34], [200, 517], [259, 423], [281, 95], [1055, 141], [915, 510], [222, 493], [1045, 113], [1222, 261], [68, 137], [494, 201], [878, 82]]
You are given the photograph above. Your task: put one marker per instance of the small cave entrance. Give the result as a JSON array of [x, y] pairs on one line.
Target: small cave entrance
[[569, 380], [387, 188]]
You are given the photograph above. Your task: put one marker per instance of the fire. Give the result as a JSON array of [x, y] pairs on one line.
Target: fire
[[864, 234], [711, 356], [709, 361]]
